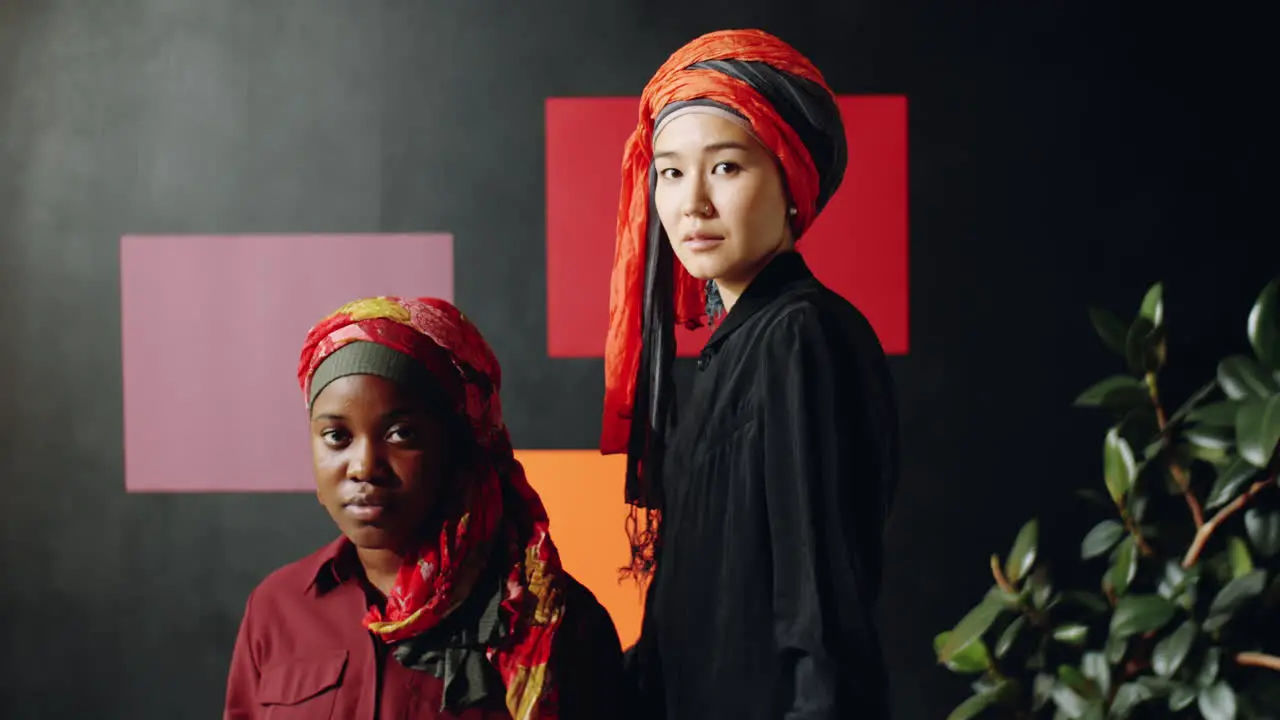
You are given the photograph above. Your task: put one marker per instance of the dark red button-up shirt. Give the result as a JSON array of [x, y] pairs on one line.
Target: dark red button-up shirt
[[303, 653]]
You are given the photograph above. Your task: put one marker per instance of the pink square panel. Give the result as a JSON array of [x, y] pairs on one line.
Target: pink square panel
[[212, 327]]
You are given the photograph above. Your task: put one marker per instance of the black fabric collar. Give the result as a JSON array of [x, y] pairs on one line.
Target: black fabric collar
[[782, 273]]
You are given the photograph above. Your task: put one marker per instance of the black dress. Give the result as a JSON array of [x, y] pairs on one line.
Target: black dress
[[779, 477]]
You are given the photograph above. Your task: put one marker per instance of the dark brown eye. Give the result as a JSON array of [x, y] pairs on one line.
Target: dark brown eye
[[402, 434], [334, 437]]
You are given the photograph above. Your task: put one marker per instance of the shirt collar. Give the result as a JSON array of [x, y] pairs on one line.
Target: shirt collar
[[783, 271], [331, 566]]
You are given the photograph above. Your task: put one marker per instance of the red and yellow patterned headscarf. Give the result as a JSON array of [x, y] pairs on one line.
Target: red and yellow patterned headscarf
[[447, 566]]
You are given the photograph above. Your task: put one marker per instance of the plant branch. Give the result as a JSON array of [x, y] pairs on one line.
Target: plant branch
[[1206, 531], [1179, 475], [1262, 660], [1136, 532], [998, 574]]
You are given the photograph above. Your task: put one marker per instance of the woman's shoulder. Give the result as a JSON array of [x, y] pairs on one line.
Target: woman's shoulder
[[815, 316], [583, 611], [588, 657], [293, 580]]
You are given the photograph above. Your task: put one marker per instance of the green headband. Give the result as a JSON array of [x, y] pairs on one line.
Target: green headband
[[370, 358]]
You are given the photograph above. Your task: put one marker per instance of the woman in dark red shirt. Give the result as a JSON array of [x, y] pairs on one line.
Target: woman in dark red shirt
[[444, 597]]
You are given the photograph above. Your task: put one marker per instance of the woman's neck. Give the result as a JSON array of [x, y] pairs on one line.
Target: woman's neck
[[380, 567], [731, 289]]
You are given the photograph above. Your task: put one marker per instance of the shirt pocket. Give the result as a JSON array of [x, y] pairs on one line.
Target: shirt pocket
[[301, 688]]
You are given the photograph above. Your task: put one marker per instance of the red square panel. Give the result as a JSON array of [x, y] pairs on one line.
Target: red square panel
[[858, 246]]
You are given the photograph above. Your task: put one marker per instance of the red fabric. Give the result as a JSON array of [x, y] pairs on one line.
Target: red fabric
[[674, 83], [437, 334]]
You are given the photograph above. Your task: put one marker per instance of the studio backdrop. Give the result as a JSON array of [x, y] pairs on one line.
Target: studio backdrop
[[185, 187]]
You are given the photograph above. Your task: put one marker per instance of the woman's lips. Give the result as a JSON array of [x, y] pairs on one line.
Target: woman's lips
[[699, 242], [365, 509]]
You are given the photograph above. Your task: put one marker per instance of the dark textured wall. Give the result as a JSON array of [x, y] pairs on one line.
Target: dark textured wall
[[1058, 158]]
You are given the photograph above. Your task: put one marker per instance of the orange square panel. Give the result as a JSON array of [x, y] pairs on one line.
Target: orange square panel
[[583, 493]]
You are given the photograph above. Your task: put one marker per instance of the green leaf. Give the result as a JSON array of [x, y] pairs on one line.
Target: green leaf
[[1136, 614], [1178, 585], [1072, 694], [1041, 588], [1010, 635], [1069, 702], [1194, 401], [1128, 697], [984, 684], [1264, 325], [971, 627], [1101, 538], [1231, 479], [1152, 308], [1145, 346], [1263, 527], [1094, 666], [1116, 647], [1118, 391], [970, 659], [1205, 437], [1023, 554], [1138, 508], [1241, 378], [1110, 328], [1042, 690], [986, 694], [1118, 465], [1181, 698], [1008, 601], [1134, 341], [1232, 597], [1258, 430], [1172, 650], [1155, 349], [1238, 556], [1220, 414], [1217, 702], [1073, 634], [972, 706], [1092, 602], [1140, 428], [1218, 567], [1072, 678], [1159, 687], [1213, 454], [1209, 666], [1124, 565], [1094, 497]]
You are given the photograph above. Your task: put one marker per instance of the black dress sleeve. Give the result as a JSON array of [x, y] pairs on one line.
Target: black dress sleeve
[[588, 657], [822, 502]]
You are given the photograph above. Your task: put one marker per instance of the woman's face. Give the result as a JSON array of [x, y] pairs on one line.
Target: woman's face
[[381, 460], [721, 200]]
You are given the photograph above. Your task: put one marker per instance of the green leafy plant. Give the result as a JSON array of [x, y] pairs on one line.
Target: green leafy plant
[[1182, 622]]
